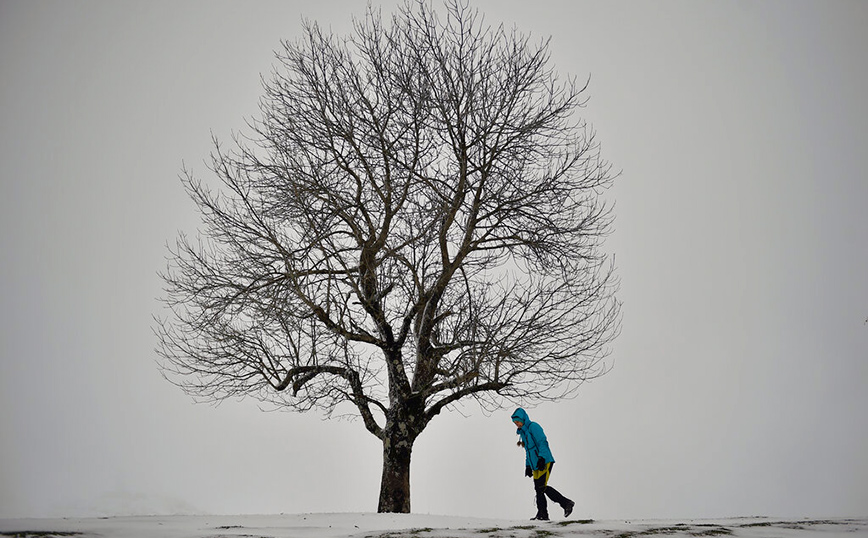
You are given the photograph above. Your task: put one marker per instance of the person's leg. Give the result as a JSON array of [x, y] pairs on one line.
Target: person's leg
[[540, 483], [556, 496]]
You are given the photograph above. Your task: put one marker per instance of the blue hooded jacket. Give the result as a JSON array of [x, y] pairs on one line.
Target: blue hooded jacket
[[535, 443]]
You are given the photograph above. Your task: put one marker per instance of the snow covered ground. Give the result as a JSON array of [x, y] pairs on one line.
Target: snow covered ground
[[422, 526]]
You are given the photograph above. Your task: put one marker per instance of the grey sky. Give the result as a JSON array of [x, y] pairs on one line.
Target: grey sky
[[739, 378]]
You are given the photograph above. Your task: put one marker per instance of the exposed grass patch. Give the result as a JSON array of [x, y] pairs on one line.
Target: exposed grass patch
[[664, 530], [234, 527], [796, 525], [714, 531], [538, 532], [649, 532], [39, 534], [681, 528], [758, 524], [412, 533], [575, 522]]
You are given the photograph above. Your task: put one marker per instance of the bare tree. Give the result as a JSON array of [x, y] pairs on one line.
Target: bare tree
[[414, 220]]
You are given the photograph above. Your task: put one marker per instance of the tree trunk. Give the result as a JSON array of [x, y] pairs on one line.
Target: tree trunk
[[395, 484]]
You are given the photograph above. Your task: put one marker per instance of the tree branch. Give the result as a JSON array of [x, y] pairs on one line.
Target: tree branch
[[298, 377]]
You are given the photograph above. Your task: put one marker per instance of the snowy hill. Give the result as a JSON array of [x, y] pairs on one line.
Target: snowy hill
[[420, 526]]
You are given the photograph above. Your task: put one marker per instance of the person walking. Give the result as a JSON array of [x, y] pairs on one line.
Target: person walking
[[538, 465]]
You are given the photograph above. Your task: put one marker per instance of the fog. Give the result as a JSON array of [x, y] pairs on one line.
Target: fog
[[738, 380]]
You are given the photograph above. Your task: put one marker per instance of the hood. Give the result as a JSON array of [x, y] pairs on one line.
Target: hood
[[521, 414]]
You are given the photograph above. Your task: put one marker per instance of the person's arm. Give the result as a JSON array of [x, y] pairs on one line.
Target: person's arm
[[541, 447]]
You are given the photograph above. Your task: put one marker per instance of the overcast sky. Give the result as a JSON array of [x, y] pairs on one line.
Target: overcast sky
[[739, 380]]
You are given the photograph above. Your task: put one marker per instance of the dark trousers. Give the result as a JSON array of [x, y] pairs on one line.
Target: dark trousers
[[543, 490]]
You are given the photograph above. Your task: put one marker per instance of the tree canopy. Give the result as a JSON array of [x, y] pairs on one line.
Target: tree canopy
[[415, 218]]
